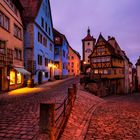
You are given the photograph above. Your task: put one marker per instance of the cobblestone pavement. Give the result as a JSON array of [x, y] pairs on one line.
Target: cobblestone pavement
[[19, 114], [80, 116], [116, 119]]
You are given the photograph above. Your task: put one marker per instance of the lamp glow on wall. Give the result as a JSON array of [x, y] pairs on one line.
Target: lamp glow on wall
[[84, 62], [50, 65], [54, 66]]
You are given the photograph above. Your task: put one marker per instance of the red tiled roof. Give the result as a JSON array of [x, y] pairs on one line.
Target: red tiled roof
[[88, 38], [118, 49], [31, 8], [77, 53], [57, 33]]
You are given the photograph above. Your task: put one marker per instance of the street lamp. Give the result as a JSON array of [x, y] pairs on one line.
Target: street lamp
[[84, 62], [84, 67]]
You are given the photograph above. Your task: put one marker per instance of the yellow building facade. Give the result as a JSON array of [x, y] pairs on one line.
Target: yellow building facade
[[73, 62], [11, 45]]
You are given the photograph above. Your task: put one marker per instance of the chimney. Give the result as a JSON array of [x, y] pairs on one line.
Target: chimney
[[109, 37]]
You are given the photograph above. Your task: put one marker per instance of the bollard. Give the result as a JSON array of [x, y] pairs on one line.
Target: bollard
[[46, 121], [75, 90], [71, 95]]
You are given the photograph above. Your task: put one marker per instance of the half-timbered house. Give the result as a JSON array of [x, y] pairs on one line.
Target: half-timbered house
[[107, 66]]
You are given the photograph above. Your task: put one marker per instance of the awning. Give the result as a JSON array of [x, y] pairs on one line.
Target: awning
[[23, 71]]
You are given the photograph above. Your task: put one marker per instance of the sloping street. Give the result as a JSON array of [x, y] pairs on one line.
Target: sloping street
[[19, 111], [109, 118]]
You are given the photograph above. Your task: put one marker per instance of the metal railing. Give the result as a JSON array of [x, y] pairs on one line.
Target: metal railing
[[54, 117], [62, 115]]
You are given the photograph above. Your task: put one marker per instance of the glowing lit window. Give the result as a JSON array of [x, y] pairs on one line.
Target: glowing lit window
[[101, 71], [96, 71], [12, 77], [19, 78]]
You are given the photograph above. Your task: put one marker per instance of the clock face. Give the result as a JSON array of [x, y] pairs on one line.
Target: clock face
[[88, 50]]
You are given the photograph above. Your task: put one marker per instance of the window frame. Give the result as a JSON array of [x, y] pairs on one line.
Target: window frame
[[4, 19], [17, 32]]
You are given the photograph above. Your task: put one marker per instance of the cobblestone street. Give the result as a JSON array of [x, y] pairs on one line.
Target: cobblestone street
[[92, 118], [116, 119], [19, 114]]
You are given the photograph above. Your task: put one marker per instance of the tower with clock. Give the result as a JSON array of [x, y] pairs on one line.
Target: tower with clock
[[88, 45]]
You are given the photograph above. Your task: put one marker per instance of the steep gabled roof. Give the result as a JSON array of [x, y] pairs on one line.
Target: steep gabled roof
[[77, 53], [88, 38], [118, 49], [31, 8], [101, 41], [58, 34], [124, 54]]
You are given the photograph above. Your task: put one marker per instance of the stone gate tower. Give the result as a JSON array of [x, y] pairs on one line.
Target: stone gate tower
[[88, 45]]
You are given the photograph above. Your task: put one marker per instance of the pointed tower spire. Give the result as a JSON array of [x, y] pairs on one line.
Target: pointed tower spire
[[88, 31]]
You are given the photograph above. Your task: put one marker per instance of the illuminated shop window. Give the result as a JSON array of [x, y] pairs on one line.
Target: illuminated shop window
[[12, 77], [96, 71], [101, 71], [19, 78]]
